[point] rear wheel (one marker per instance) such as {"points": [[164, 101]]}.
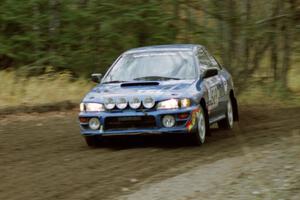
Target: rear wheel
{"points": [[202, 128], [227, 123], [92, 141]]}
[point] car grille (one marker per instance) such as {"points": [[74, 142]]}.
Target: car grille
{"points": [[136, 122]]}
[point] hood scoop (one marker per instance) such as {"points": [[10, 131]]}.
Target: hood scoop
{"points": [[133, 84]]}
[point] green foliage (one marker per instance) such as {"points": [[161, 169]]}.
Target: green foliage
{"points": [[82, 36], [85, 36]]}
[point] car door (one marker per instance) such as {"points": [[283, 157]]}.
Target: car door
{"points": [[213, 85], [223, 84]]}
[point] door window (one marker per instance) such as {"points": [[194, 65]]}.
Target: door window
{"points": [[214, 62], [204, 60]]}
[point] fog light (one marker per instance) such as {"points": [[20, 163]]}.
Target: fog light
{"points": [[135, 103], [121, 103], [168, 121], [149, 102], [94, 123], [109, 104]]}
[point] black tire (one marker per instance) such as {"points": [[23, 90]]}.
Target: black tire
{"points": [[92, 141], [227, 122], [202, 130]]}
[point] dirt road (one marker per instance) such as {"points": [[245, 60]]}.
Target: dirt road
{"points": [[42, 156]]}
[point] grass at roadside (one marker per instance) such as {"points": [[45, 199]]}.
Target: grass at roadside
{"points": [[265, 95], [53, 87], [48, 88], [269, 93]]}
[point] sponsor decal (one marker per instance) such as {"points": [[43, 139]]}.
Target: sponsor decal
{"points": [[213, 93], [193, 121], [224, 83]]}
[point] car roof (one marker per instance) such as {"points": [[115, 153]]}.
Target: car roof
{"points": [[170, 47]]}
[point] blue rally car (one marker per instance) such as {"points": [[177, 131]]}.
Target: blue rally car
{"points": [[163, 89]]}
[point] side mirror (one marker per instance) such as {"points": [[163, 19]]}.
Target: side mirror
{"points": [[210, 73], [96, 78]]}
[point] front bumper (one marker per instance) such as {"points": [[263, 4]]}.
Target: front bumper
{"points": [[184, 125]]}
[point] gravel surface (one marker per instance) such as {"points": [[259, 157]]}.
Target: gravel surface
{"points": [[42, 156]]}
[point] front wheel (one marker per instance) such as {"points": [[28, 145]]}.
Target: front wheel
{"points": [[200, 133], [227, 122]]}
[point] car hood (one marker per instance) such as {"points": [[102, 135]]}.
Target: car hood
{"points": [[159, 90]]}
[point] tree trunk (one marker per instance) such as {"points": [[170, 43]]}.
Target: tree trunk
{"points": [[189, 23], [175, 21], [274, 41], [54, 22], [288, 33], [247, 35], [286, 56], [143, 29], [232, 32]]}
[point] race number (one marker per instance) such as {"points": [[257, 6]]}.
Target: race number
{"points": [[213, 94], [224, 83]]}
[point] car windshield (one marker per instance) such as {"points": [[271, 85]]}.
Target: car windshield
{"points": [[175, 65]]}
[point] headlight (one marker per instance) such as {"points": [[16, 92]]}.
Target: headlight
{"points": [[184, 103], [168, 104], [109, 103], [148, 102], [91, 107], [82, 107], [174, 104], [121, 103], [135, 103]]}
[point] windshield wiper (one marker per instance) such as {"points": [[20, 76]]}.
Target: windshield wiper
{"points": [[155, 78], [113, 82]]}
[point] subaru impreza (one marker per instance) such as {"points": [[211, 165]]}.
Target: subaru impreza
{"points": [[166, 89]]}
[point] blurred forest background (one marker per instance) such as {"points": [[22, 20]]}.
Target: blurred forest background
{"points": [[48, 48]]}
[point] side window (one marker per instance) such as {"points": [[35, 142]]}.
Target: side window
{"points": [[213, 61], [204, 60]]}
